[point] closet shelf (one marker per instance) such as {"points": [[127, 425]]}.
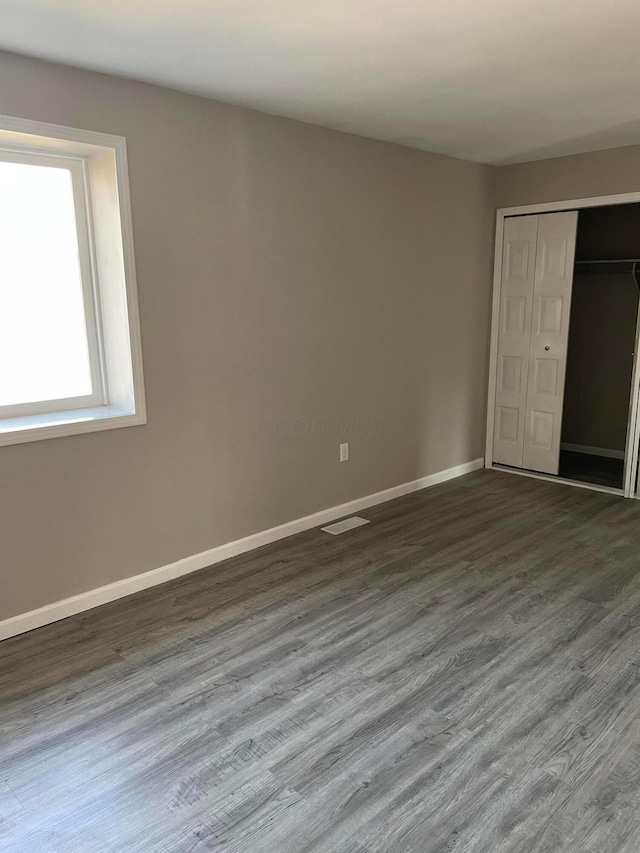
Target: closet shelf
{"points": [[618, 266]]}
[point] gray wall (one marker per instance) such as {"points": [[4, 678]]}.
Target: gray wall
{"points": [[579, 176], [298, 287]]}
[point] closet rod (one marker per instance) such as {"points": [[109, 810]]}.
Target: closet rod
{"points": [[635, 266], [612, 261]]}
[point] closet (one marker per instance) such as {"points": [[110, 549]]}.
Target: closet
{"points": [[567, 326]]}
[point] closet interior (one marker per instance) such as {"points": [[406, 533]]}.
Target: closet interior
{"points": [[569, 296]]}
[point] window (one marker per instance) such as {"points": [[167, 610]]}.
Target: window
{"points": [[69, 337], [48, 331]]}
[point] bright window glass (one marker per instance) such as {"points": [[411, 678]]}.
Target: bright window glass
{"points": [[44, 351]]}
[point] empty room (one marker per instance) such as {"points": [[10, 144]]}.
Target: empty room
{"points": [[319, 426]]}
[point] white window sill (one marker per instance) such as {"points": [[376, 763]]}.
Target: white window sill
{"points": [[56, 424]]}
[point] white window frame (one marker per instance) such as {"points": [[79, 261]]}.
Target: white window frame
{"points": [[97, 163], [76, 168]]}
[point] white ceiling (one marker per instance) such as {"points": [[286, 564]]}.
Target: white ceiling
{"points": [[488, 80]]}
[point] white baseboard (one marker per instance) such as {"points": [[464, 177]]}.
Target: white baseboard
{"points": [[102, 595], [593, 451]]}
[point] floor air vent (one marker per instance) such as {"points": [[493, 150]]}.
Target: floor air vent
{"points": [[346, 524]]}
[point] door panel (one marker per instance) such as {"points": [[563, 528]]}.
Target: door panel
{"points": [[511, 379], [545, 376], [516, 295], [508, 423], [542, 429], [550, 315], [549, 336]]}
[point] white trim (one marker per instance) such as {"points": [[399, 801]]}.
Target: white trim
{"points": [[592, 451], [571, 204], [550, 478], [51, 132], [104, 594], [633, 422], [133, 309], [495, 321], [633, 431], [89, 277], [58, 424]]}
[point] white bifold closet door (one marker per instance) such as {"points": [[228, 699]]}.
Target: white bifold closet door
{"points": [[535, 299]]}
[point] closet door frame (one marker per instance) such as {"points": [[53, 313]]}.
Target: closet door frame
{"points": [[633, 428], [632, 456]]}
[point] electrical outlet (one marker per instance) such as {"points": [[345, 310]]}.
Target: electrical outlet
{"points": [[344, 452]]}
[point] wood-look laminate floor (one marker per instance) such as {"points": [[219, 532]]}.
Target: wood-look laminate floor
{"points": [[462, 674]]}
